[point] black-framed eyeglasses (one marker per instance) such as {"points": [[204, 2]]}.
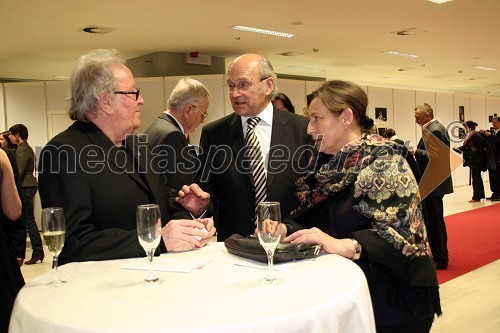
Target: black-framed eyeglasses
{"points": [[136, 93], [204, 115], [242, 86]]}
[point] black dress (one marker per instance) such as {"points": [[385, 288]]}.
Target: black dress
{"points": [[11, 279]]}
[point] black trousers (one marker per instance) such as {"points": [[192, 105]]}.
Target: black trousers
{"points": [[477, 183], [436, 228], [495, 182]]}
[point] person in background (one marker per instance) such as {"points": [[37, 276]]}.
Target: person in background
{"points": [[343, 209], [25, 158], [282, 102], [5, 141], [187, 107], [493, 156], [433, 158], [226, 167], [11, 279], [390, 134], [99, 172], [474, 152]]}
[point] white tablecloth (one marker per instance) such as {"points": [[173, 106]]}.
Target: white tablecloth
{"points": [[328, 294]]}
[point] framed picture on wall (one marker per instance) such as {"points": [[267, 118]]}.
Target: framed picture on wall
{"points": [[461, 113], [381, 114]]}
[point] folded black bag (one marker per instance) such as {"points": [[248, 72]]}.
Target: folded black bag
{"points": [[249, 247]]}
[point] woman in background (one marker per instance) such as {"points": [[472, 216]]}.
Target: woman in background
{"points": [[5, 141], [363, 203]]}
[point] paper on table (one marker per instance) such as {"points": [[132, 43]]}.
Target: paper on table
{"points": [[254, 264], [185, 265]]}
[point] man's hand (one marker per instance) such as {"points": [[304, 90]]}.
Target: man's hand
{"points": [[185, 235], [193, 199]]}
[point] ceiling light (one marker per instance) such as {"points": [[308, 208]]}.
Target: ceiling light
{"points": [[97, 30], [262, 31], [484, 68], [440, 1], [458, 86], [401, 54], [289, 54]]}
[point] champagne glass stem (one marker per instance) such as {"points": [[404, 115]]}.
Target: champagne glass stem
{"points": [[270, 269], [57, 281], [151, 277]]}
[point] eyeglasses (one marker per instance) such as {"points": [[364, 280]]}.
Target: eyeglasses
{"points": [[242, 86], [136, 93], [204, 115]]}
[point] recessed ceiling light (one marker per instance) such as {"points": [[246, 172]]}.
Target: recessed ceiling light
{"points": [[262, 31], [440, 1], [458, 86], [289, 54], [484, 68], [401, 54], [97, 30]]}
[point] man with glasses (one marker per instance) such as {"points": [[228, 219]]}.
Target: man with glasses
{"points": [[167, 136], [237, 171], [99, 172]]}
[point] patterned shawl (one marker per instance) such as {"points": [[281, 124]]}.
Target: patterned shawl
{"points": [[385, 190]]}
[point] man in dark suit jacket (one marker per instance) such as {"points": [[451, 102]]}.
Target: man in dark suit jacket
{"points": [[225, 171], [493, 155], [187, 107], [98, 172], [433, 159]]}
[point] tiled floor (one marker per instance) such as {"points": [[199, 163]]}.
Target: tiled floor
{"points": [[471, 302]]}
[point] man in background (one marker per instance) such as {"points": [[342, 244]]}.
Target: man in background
{"points": [[433, 159], [254, 154], [493, 152], [187, 107]]}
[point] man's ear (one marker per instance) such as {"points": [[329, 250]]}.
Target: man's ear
{"points": [[270, 84], [186, 110], [105, 103]]}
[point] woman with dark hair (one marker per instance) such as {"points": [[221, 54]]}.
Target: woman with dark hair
{"points": [[282, 102], [5, 141], [362, 202], [25, 158], [474, 152]]}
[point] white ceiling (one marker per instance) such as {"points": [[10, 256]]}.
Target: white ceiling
{"points": [[42, 39]]}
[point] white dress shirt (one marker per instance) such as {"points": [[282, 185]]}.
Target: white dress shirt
{"points": [[262, 130]]}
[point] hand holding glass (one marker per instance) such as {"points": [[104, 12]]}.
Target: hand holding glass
{"points": [[54, 233], [268, 231], [149, 234]]}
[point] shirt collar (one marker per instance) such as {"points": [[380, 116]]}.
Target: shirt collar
{"points": [[178, 123], [265, 116], [429, 123]]}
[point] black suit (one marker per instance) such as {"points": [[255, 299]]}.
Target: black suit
{"points": [[433, 159], [99, 186], [174, 157], [493, 153], [228, 179]]}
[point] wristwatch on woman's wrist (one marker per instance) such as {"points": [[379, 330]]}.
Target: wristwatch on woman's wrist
{"points": [[357, 250]]}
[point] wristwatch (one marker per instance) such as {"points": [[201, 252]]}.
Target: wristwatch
{"points": [[357, 250]]}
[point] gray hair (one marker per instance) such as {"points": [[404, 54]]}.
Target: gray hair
{"points": [[187, 91], [91, 76], [425, 108]]}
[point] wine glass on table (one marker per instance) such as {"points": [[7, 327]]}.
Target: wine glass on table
{"points": [[268, 232], [54, 233], [149, 234]]}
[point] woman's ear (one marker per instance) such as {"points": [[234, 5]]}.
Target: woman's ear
{"points": [[347, 117]]}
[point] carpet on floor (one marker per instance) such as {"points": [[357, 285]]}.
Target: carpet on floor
{"points": [[473, 241]]}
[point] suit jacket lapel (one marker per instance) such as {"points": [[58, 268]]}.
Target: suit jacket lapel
{"points": [[235, 140], [279, 136], [170, 119]]}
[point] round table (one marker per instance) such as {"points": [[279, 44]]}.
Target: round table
{"points": [[327, 294]]}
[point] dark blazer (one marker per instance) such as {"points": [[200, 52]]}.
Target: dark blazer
{"points": [[434, 149], [99, 186], [25, 158], [228, 178], [175, 159], [493, 151]]}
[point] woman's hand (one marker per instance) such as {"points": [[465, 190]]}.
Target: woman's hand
{"points": [[329, 244]]}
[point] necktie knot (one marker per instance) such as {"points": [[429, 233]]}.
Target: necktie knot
{"points": [[252, 122]]}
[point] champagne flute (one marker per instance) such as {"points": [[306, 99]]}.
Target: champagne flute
{"points": [[54, 232], [149, 234], [268, 231]]}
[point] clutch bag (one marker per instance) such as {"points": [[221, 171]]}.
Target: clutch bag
{"points": [[250, 248]]}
